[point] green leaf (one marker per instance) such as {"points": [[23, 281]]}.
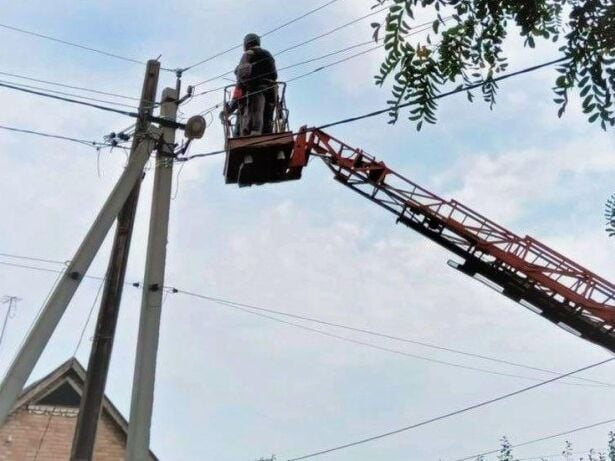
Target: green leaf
{"points": [[561, 81], [587, 100]]}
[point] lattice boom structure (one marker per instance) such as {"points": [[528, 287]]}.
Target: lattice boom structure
{"points": [[521, 268]]}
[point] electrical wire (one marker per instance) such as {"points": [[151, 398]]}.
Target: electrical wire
{"points": [[300, 44], [452, 413], [318, 69], [93, 144], [85, 325], [420, 29], [384, 336], [64, 85], [275, 29], [389, 350], [31, 258], [251, 309], [11, 305], [286, 24], [42, 439], [73, 44], [95, 106], [444, 95], [541, 439], [332, 31], [63, 93], [177, 181], [375, 113], [42, 269], [60, 98]]}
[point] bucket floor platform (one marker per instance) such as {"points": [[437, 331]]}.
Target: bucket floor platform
{"points": [[256, 160]]}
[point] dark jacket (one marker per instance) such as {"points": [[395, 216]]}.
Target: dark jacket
{"points": [[257, 69]]}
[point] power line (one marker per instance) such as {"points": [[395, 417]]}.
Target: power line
{"points": [[443, 95], [460, 89], [73, 44], [34, 268], [160, 120], [31, 258], [421, 28], [275, 29], [221, 53], [60, 272], [73, 101], [88, 98], [89, 317], [453, 413], [303, 43], [11, 305], [386, 349], [93, 144], [44, 434], [541, 439], [250, 309], [64, 85], [332, 31], [384, 336]]}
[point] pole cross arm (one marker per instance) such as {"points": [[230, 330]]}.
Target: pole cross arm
{"points": [[166, 122]]}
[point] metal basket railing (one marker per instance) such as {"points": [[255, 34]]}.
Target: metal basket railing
{"points": [[232, 121]]}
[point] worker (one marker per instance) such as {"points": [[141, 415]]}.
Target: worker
{"points": [[257, 75]]}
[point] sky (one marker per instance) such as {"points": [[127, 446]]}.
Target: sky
{"points": [[234, 386]]}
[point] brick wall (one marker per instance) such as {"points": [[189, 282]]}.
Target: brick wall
{"points": [[21, 436]]}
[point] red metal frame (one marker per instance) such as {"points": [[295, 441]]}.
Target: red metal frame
{"points": [[524, 269]]}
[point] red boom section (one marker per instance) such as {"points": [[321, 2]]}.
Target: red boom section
{"points": [[521, 268]]}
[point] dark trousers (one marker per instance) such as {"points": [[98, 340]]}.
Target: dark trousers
{"points": [[255, 119]]}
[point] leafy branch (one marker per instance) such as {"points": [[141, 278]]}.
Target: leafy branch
{"points": [[470, 36]]}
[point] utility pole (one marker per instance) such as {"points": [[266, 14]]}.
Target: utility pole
{"points": [[53, 310], [102, 347], [153, 288], [11, 302]]}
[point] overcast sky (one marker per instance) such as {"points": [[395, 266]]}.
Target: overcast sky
{"points": [[232, 386]]}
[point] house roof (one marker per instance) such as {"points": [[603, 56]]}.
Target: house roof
{"points": [[63, 387]]}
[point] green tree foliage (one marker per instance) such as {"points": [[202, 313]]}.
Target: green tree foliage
{"points": [[609, 215], [506, 451], [567, 452], [466, 46]]}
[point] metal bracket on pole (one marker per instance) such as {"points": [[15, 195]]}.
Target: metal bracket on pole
{"points": [[151, 306], [52, 312]]}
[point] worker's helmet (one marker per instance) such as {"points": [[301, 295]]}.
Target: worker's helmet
{"points": [[250, 41]]}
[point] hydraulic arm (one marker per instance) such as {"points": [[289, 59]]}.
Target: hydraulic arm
{"points": [[520, 268]]}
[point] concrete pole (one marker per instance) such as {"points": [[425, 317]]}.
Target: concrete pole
{"points": [[153, 288], [100, 354], [52, 312]]}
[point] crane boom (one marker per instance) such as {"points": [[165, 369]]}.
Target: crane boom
{"points": [[521, 268]]}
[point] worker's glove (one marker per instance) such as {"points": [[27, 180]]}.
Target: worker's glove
{"points": [[223, 118]]}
